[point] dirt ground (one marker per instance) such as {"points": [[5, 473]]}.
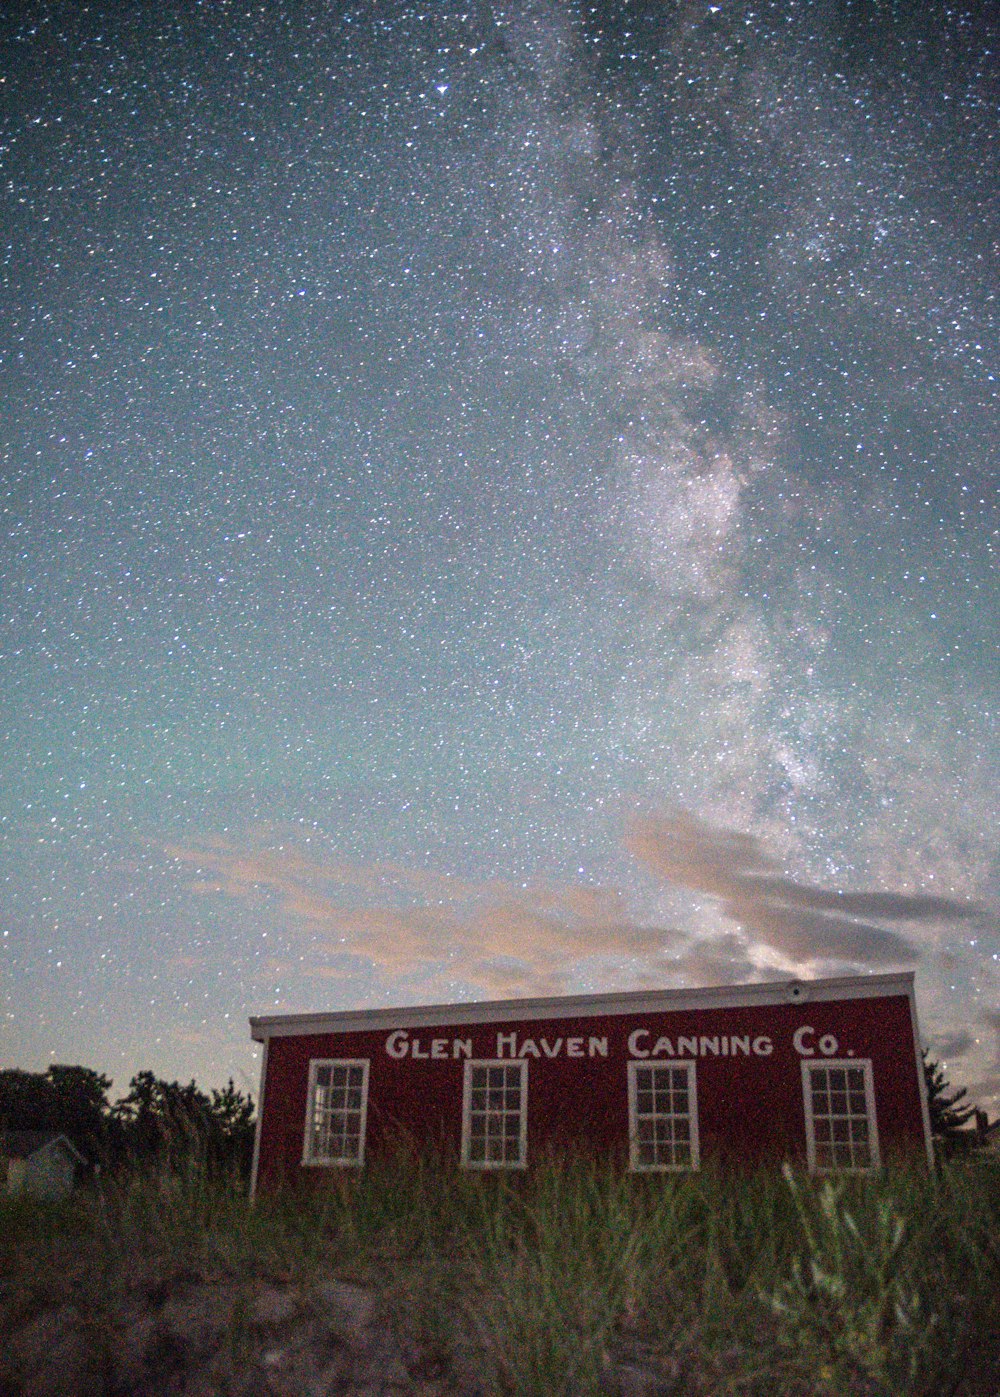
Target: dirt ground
{"points": [[204, 1338]]}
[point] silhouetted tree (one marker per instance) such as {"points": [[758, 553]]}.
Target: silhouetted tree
{"points": [[173, 1124], [233, 1127], [162, 1120], [157, 1122], [72, 1099], [948, 1117]]}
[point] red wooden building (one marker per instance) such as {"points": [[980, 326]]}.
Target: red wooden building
{"points": [[823, 1072]]}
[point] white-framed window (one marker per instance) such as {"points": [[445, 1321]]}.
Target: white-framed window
{"points": [[495, 1115], [841, 1133], [662, 1116], [336, 1111]]}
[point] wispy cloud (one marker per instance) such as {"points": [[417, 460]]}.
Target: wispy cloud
{"points": [[383, 925], [381, 928], [800, 921]]}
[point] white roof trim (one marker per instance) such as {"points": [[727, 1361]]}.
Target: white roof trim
{"points": [[583, 1006]]}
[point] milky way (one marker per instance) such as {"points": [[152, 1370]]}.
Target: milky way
{"points": [[494, 501]]}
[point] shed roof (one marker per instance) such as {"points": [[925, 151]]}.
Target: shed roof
{"points": [[22, 1144]]}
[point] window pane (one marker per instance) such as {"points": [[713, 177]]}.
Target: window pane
{"points": [[494, 1122], [842, 1128], [661, 1123], [335, 1113]]}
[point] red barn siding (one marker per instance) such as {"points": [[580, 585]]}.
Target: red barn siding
{"points": [[750, 1108]]}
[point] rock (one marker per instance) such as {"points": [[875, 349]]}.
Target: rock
{"points": [[272, 1307], [348, 1310], [326, 1382], [196, 1319], [635, 1380]]}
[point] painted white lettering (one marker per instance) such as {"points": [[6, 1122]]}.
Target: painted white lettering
{"points": [[597, 1047], [417, 1051], [439, 1047], [461, 1047], [396, 1045], [799, 1041], [551, 1049], [574, 1047], [763, 1046], [709, 1045], [663, 1048], [529, 1048], [635, 1038], [828, 1045], [687, 1045], [739, 1045], [508, 1041]]}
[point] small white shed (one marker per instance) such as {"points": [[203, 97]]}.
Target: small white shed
{"points": [[39, 1163]]}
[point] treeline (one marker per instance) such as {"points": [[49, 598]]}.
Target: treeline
{"points": [[157, 1122]]}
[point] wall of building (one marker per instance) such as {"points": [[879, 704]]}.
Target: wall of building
{"points": [[49, 1173], [749, 1078]]}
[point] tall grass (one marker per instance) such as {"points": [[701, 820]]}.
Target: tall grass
{"points": [[559, 1281]]}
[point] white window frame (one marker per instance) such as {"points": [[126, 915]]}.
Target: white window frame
{"points": [[635, 1163], [826, 1064], [310, 1155], [521, 1067]]}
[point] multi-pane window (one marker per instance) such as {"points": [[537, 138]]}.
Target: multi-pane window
{"points": [[840, 1116], [495, 1115], [663, 1116], [336, 1111]]}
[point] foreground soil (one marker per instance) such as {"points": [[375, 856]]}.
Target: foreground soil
{"points": [[200, 1338]]}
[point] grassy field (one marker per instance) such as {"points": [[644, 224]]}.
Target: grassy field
{"points": [[573, 1280]]}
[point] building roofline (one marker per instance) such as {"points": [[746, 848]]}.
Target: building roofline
{"points": [[264, 1027], [23, 1144]]}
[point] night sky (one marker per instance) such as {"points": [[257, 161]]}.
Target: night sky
{"points": [[496, 500]]}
